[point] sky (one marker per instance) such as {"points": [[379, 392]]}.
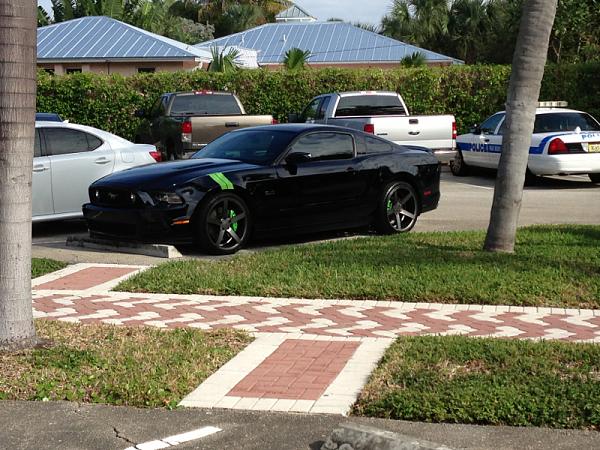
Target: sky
{"points": [[368, 11]]}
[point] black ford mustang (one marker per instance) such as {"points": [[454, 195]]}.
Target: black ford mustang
{"points": [[268, 180]]}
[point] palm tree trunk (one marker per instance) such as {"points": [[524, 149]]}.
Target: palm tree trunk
{"points": [[18, 49], [523, 93]]}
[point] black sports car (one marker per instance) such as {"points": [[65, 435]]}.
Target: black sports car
{"points": [[268, 180]]}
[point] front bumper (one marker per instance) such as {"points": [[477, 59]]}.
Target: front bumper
{"points": [[140, 225]]}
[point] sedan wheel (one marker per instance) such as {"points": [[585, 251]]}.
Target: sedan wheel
{"points": [[399, 209], [458, 167], [224, 224]]}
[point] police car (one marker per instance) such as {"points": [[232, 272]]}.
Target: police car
{"points": [[564, 142]]}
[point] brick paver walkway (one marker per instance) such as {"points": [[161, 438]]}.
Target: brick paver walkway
{"points": [[301, 361]]}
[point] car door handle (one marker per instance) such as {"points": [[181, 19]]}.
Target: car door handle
{"points": [[102, 160], [486, 140], [351, 170], [232, 124], [39, 168], [414, 133]]}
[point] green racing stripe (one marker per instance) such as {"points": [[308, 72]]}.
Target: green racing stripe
{"points": [[222, 181]]}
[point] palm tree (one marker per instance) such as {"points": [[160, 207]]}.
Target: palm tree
{"points": [[523, 93], [415, 60], [17, 131], [223, 62], [295, 59], [43, 18]]}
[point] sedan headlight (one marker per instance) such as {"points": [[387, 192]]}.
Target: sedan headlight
{"points": [[170, 198]]}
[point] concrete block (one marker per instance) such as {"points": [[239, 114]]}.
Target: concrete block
{"points": [[136, 248], [359, 437]]}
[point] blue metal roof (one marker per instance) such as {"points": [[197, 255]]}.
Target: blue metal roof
{"points": [[328, 42], [104, 38]]}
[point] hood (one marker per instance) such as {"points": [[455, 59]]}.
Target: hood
{"points": [[169, 175]]}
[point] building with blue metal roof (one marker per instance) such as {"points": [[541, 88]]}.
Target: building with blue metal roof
{"points": [[103, 44], [336, 44], [294, 14]]}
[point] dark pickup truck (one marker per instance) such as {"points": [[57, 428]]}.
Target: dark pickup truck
{"points": [[181, 123]]}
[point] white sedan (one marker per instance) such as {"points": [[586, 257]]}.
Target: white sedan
{"points": [[564, 142], [69, 157]]}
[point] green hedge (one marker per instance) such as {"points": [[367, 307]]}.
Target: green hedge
{"points": [[471, 93]]}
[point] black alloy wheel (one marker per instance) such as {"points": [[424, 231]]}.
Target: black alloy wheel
{"points": [[458, 167], [594, 177], [398, 209], [224, 223]]}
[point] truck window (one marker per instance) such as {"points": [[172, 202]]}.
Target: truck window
{"points": [[370, 105], [209, 104], [312, 110], [323, 108]]}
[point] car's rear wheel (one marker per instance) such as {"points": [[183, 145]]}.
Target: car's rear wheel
{"points": [[458, 167], [594, 177], [223, 224], [398, 208]]}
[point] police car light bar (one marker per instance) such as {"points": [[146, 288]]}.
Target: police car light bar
{"points": [[554, 104]]}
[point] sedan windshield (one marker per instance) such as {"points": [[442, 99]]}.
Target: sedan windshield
{"points": [[249, 146]]}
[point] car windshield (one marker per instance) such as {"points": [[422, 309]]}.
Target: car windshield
{"points": [[564, 121], [250, 146]]}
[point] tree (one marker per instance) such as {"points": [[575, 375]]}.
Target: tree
{"points": [[523, 93], [296, 59], [416, 59], [17, 130], [223, 62]]}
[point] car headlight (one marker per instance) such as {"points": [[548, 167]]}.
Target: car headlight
{"points": [[170, 198]]}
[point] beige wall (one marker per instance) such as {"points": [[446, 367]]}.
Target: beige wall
{"points": [[392, 65], [124, 68]]}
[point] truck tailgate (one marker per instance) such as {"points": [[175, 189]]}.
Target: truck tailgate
{"points": [[207, 128]]}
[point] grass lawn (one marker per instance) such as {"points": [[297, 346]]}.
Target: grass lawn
{"points": [[143, 367], [486, 381], [41, 267], [553, 266]]}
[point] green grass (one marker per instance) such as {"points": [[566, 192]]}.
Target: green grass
{"points": [[41, 267], [553, 266], [486, 381], [143, 367]]}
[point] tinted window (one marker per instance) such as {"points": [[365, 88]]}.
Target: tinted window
{"points": [[325, 146], [255, 147], [323, 108], [375, 145], [567, 121], [63, 141], [158, 107], [369, 105], [312, 110], [489, 125], [209, 104], [37, 150]]}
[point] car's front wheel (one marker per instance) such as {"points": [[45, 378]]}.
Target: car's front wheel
{"points": [[398, 208], [223, 224], [594, 177], [458, 167]]}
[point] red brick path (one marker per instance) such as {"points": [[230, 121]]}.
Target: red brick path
{"points": [[86, 278]]}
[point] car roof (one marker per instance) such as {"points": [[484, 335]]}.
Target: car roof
{"points": [[105, 135], [550, 110], [299, 127]]}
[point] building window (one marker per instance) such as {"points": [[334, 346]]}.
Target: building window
{"points": [[73, 70], [49, 71], [146, 69]]}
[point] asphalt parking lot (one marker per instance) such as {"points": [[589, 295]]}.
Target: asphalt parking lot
{"points": [[465, 205]]}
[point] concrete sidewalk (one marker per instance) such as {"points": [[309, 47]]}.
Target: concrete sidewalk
{"points": [[69, 426]]}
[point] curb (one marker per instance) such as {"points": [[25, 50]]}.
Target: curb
{"points": [[359, 437]]}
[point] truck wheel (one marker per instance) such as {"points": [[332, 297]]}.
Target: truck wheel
{"points": [[223, 224], [594, 177], [458, 166], [398, 208]]}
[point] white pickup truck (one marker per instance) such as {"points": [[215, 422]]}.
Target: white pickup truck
{"points": [[384, 114]]}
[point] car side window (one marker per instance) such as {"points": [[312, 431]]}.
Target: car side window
{"points": [[159, 107], [65, 141], [312, 110], [325, 146], [489, 125], [37, 148], [375, 145]]}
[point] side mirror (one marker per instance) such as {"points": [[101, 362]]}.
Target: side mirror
{"points": [[296, 158], [475, 129], [140, 113], [293, 118]]}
